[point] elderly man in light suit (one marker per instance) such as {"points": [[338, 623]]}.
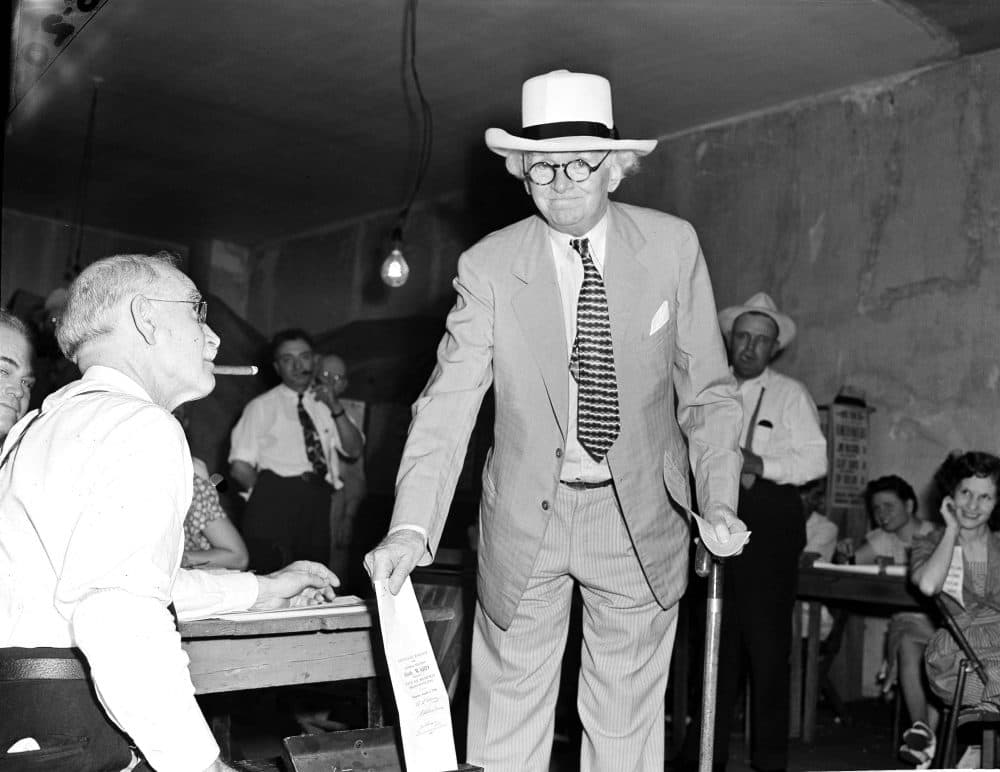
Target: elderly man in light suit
{"points": [[587, 321]]}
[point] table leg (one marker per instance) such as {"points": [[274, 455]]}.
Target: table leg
{"points": [[375, 715], [795, 674], [812, 675]]}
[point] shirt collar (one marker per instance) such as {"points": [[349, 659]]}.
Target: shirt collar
{"points": [[116, 378], [287, 391], [760, 380], [598, 236]]}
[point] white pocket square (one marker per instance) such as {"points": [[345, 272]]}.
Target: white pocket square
{"points": [[660, 318]]}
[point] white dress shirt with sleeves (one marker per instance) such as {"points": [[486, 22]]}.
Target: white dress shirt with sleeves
{"points": [[92, 503], [269, 435], [787, 436]]}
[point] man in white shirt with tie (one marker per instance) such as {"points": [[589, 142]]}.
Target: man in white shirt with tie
{"points": [[94, 488], [783, 448], [286, 451]]}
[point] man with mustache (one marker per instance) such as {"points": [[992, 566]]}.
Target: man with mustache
{"points": [[286, 450]]}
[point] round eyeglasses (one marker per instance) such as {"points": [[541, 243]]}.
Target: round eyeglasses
{"points": [[577, 170], [200, 306]]}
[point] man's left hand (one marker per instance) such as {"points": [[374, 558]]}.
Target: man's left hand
{"points": [[724, 521], [302, 583]]}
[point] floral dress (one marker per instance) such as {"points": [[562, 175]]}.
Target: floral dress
{"points": [[205, 507]]}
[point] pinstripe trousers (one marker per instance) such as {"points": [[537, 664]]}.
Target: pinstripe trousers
{"points": [[627, 642]]}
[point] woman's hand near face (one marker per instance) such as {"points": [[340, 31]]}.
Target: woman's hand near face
{"points": [[948, 512]]}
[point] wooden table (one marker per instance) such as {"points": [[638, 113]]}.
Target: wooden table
{"points": [[229, 656], [835, 587]]}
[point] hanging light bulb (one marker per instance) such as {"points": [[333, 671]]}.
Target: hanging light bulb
{"points": [[395, 270]]}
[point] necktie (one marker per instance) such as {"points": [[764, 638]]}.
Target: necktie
{"points": [[746, 479], [314, 447], [592, 362]]}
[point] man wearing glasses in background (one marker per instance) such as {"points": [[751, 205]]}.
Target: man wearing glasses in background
{"points": [[286, 450], [587, 322], [331, 383], [93, 493]]}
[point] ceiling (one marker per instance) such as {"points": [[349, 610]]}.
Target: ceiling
{"points": [[254, 120]]}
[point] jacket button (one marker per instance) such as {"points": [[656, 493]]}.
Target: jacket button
{"points": [[545, 505], [558, 452]]}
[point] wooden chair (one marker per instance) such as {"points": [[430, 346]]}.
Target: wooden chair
{"points": [[957, 716]]}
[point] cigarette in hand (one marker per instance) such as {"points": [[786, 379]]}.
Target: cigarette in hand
{"points": [[235, 369]]}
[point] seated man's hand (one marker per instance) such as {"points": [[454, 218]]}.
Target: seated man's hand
{"points": [[724, 521], [395, 557], [302, 583]]}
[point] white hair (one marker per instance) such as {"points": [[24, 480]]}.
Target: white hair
{"points": [[96, 294], [626, 160]]}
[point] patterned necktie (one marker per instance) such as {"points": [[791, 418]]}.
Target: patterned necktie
{"points": [[314, 447], [592, 362]]}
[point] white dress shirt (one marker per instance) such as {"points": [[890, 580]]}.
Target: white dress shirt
{"points": [[577, 463], [92, 505], [269, 434], [787, 437]]}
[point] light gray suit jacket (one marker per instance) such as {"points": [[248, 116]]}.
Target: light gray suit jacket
{"points": [[507, 329]]}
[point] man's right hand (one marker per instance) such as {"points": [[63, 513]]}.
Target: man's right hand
{"points": [[395, 557]]}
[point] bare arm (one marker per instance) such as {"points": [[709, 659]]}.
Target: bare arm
{"points": [[228, 549], [929, 573]]}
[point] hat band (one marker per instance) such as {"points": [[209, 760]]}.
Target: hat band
{"points": [[569, 129]]}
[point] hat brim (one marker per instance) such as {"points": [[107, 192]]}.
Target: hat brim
{"points": [[503, 143], [786, 327]]}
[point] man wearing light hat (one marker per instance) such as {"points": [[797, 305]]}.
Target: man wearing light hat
{"points": [[783, 448], [587, 321]]}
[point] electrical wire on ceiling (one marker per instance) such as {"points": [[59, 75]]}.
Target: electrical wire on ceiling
{"points": [[395, 269]]}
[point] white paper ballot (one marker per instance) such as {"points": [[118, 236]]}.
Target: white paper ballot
{"points": [[711, 541], [955, 576], [421, 699]]}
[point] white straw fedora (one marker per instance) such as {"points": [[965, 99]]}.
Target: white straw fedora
{"points": [[760, 303], [563, 111]]}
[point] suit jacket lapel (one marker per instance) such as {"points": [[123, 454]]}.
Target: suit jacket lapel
{"points": [[625, 278], [538, 308]]}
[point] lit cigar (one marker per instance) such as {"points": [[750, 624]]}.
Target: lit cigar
{"points": [[235, 369]]}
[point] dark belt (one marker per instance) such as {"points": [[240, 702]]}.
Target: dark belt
{"points": [[34, 669], [580, 485], [313, 479]]}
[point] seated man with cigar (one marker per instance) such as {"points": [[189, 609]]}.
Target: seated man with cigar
{"points": [[93, 492]]}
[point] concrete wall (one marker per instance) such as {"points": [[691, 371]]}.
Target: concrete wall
{"points": [[872, 216]]}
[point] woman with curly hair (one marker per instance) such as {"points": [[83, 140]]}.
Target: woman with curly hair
{"points": [[969, 482]]}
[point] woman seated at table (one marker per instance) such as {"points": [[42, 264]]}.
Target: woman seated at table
{"points": [[210, 538], [892, 505], [969, 483]]}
